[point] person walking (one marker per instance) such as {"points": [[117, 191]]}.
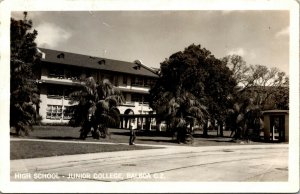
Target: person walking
{"points": [[132, 133]]}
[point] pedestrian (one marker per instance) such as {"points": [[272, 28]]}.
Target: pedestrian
{"points": [[132, 133]]}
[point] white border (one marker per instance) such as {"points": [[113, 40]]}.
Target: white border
{"points": [[64, 5]]}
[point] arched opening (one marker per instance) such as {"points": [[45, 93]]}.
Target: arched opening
{"points": [[129, 112], [117, 110]]}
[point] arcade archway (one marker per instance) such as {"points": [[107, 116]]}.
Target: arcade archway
{"points": [[124, 118]]}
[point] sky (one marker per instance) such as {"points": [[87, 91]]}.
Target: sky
{"points": [[260, 37]]}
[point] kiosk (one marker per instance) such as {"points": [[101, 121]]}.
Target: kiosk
{"points": [[276, 125]]}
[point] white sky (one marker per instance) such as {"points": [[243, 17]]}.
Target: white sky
{"points": [[260, 37]]}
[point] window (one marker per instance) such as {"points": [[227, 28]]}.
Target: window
{"points": [[73, 74], [55, 92], [137, 81], [149, 82], [125, 79], [58, 92], [68, 91], [61, 56], [101, 62], [152, 82], [56, 72], [136, 97], [141, 98], [146, 82], [88, 73], [54, 112], [116, 79], [109, 77]]}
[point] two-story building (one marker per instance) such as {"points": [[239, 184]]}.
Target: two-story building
{"points": [[62, 71]]}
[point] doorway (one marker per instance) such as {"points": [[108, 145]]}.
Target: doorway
{"points": [[277, 128]]}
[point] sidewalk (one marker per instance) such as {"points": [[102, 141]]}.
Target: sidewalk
{"points": [[168, 159]]}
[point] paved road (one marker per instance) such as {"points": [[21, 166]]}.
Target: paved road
{"points": [[245, 163]]}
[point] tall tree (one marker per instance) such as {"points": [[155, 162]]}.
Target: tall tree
{"points": [[259, 82], [258, 88], [192, 87], [24, 97], [96, 107], [240, 70], [217, 83], [267, 84]]}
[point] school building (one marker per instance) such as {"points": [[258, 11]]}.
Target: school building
{"points": [[61, 72]]}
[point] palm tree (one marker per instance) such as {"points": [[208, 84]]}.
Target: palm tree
{"points": [[97, 107], [182, 110], [244, 120]]}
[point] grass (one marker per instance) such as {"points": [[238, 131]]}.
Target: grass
{"points": [[122, 136], [35, 149]]}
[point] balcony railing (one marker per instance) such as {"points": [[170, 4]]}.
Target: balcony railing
{"points": [[63, 76], [128, 103], [58, 76], [143, 103], [135, 103], [137, 85], [55, 96]]}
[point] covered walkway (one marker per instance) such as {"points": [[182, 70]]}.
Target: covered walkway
{"points": [[141, 121]]}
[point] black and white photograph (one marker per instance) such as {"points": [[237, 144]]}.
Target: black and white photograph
{"points": [[147, 97]]}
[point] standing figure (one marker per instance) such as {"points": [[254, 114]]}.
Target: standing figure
{"points": [[132, 133]]}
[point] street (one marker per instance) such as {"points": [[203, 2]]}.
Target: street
{"points": [[242, 163]]}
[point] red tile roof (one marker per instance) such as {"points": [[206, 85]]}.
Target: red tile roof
{"points": [[67, 58]]}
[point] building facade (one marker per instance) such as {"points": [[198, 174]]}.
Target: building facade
{"points": [[61, 72]]}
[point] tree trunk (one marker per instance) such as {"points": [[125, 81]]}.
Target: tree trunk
{"points": [[221, 129], [158, 127], [191, 127], [205, 134]]}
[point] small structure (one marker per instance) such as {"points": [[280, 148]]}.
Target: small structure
{"points": [[276, 125]]}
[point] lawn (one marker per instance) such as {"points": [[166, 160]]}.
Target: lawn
{"points": [[34, 149], [122, 136]]}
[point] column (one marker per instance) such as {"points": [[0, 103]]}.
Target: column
{"points": [[286, 128], [267, 127]]}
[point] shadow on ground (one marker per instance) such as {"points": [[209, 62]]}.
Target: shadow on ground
{"points": [[60, 138], [198, 135], [158, 140], [145, 133]]}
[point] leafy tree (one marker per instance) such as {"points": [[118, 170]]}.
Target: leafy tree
{"points": [[96, 107], [267, 88], [219, 85], [240, 70], [268, 83], [259, 82], [187, 81], [279, 100], [24, 97]]}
